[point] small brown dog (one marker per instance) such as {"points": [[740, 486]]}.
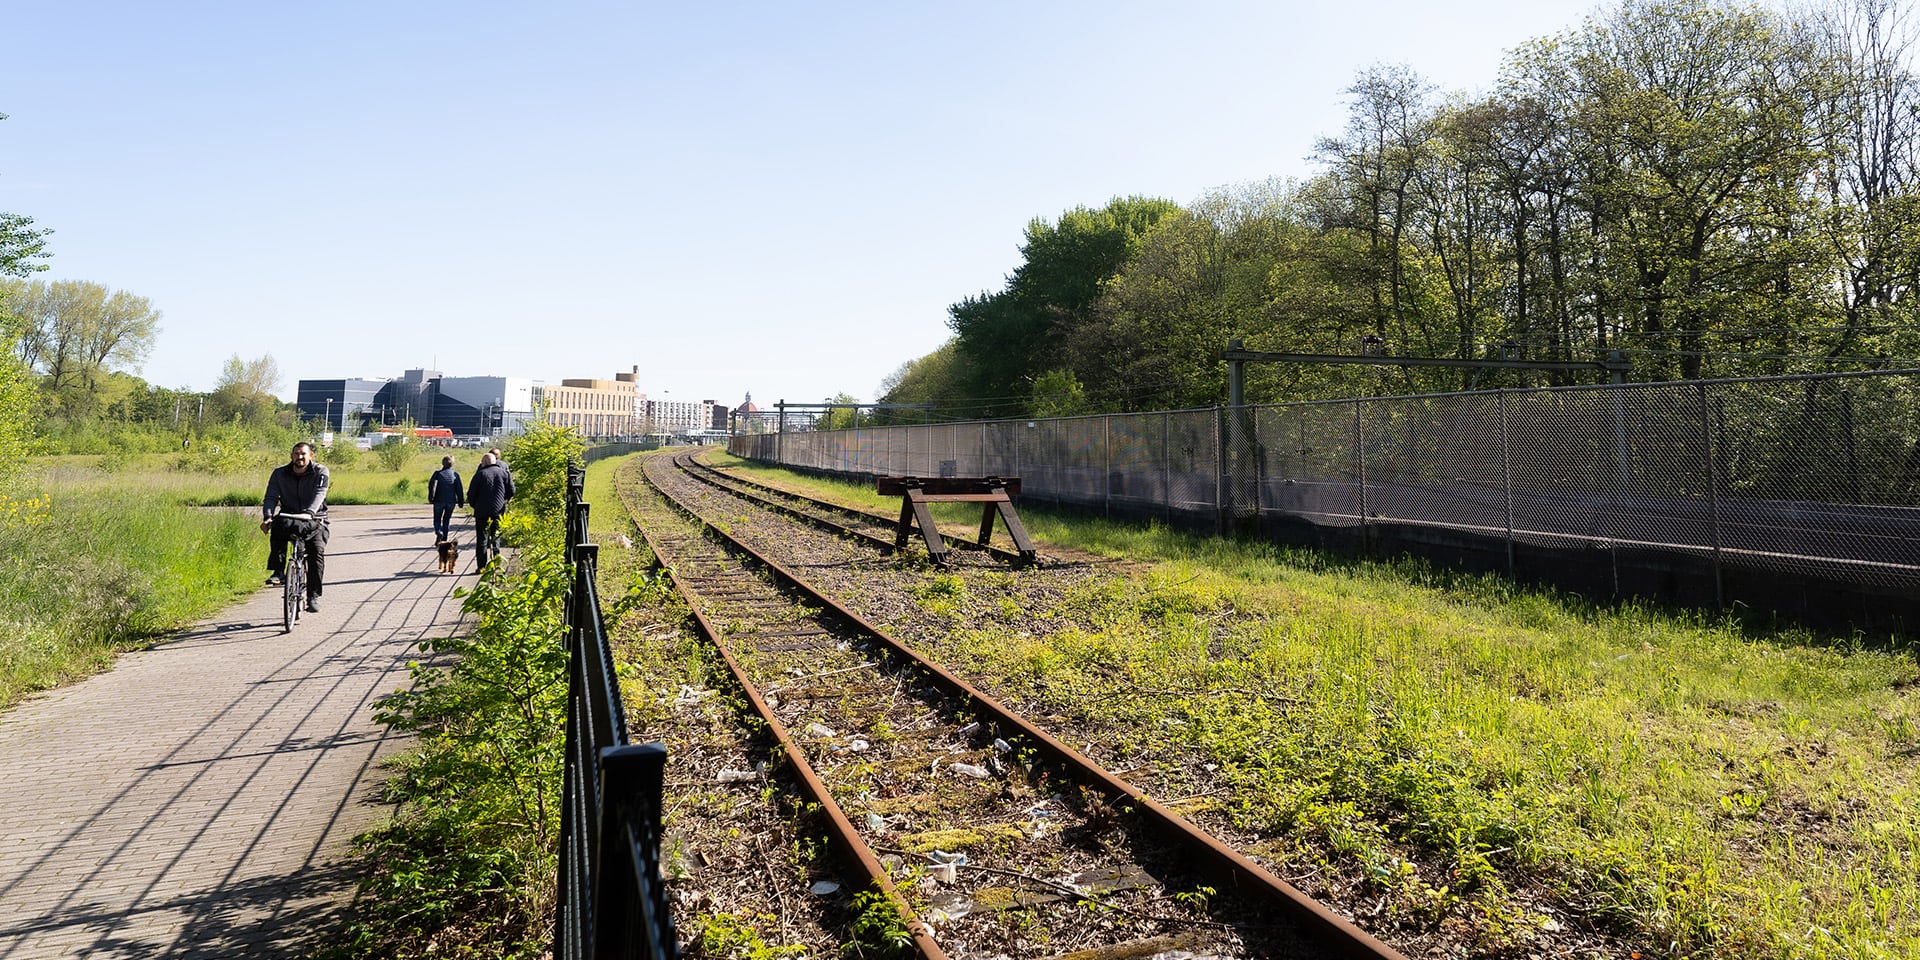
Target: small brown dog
{"points": [[449, 555]]}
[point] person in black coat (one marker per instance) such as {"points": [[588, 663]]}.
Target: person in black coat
{"points": [[488, 495], [445, 493]]}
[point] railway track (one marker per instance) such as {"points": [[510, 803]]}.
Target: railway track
{"points": [[987, 834], [877, 529]]}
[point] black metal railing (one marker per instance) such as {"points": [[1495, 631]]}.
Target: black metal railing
{"points": [[611, 900]]}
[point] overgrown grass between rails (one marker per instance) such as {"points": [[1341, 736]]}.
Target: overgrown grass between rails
{"points": [[85, 575], [1488, 759]]}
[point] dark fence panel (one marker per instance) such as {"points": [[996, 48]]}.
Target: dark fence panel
{"points": [[1798, 494], [611, 900]]}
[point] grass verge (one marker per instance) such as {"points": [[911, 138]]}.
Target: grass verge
{"points": [[1481, 763], [87, 573], [104, 553]]}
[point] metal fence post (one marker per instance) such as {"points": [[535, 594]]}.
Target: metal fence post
{"points": [[1506, 478], [1219, 472], [1106, 464], [1713, 490], [1853, 453], [1360, 468], [1166, 467]]}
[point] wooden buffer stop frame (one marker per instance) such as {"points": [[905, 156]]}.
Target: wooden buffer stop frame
{"points": [[994, 494]]}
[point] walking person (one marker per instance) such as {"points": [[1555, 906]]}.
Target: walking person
{"points": [[488, 496], [297, 487], [445, 493]]}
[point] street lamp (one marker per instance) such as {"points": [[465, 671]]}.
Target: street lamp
{"points": [[329, 416]]}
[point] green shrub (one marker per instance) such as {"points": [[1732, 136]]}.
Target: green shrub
{"points": [[393, 454], [343, 455], [468, 864]]}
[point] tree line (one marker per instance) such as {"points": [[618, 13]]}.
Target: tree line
{"points": [[78, 344], [1711, 189]]}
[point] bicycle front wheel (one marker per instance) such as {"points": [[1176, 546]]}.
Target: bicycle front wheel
{"points": [[295, 577]]}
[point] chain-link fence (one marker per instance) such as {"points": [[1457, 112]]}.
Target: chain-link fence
{"points": [[1816, 476]]}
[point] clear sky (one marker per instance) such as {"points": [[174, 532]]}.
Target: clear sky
{"points": [[777, 198]]}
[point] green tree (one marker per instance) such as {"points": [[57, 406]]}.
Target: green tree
{"points": [[20, 246], [17, 395], [76, 334], [245, 391], [840, 418], [929, 379], [1241, 263], [1693, 119], [1008, 338], [1870, 172], [1374, 164], [1058, 393]]}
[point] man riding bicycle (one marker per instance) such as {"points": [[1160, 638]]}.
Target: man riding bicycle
{"points": [[298, 487]]}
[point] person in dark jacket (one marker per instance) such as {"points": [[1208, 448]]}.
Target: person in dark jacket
{"points": [[445, 493], [297, 487], [488, 496]]}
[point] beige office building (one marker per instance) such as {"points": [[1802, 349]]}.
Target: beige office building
{"points": [[597, 409]]}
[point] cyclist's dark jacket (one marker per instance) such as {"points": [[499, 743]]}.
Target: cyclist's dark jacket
{"points": [[443, 488], [490, 490], [294, 493]]}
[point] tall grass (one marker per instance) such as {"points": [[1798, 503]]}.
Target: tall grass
{"points": [[354, 478], [1474, 756], [88, 572], [99, 553]]}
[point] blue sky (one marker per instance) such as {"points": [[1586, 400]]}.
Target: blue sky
{"points": [[733, 197]]}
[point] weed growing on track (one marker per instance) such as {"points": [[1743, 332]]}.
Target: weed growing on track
{"points": [[879, 932], [1494, 766], [1466, 750], [739, 863]]}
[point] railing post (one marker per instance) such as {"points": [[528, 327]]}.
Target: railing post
{"points": [[611, 903], [627, 894]]}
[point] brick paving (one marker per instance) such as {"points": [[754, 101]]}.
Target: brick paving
{"points": [[197, 800]]}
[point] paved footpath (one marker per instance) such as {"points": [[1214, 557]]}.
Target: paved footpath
{"points": [[197, 800]]}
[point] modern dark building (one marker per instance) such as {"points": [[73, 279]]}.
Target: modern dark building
{"points": [[410, 398], [469, 406], [336, 402]]}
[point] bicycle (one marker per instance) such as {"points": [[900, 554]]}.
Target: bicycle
{"points": [[294, 577]]}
